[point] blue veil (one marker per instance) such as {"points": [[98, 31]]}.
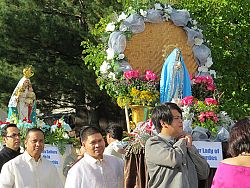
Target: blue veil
{"points": [[175, 81]]}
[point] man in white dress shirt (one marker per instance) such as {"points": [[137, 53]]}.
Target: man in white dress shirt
{"points": [[29, 169], [95, 169], [114, 137]]}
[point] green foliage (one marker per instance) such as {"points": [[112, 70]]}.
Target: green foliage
{"points": [[226, 27], [47, 35], [57, 138], [91, 52], [138, 4]]}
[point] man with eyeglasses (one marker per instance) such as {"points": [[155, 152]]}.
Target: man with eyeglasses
{"points": [[30, 169], [11, 139], [171, 159]]}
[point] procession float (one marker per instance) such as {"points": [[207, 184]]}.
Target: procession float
{"points": [[154, 55]]}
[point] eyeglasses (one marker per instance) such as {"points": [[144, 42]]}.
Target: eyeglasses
{"points": [[13, 135]]}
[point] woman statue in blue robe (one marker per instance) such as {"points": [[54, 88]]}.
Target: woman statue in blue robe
{"points": [[175, 80]]}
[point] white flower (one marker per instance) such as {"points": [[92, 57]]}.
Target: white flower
{"points": [[158, 6], [123, 16], [212, 72], [110, 27], [53, 128], [110, 53], [65, 135], [198, 41], [143, 12], [194, 27], [209, 62], [200, 30], [121, 56], [104, 67], [112, 75], [194, 22], [202, 69]]}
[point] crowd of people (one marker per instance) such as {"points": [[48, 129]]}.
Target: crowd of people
{"points": [[171, 159]]}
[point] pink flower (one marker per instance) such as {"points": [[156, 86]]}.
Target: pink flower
{"points": [[215, 118], [210, 101], [150, 75], [209, 80], [202, 117], [198, 79], [131, 74], [191, 76], [209, 114], [211, 87], [187, 100]]}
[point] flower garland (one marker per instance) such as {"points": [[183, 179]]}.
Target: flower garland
{"points": [[113, 69], [115, 60]]}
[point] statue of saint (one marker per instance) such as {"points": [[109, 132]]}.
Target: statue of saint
{"points": [[175, 81], [22, 104]]}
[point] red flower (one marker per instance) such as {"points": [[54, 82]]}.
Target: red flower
{"points": [[210, 101], [59, 124], [24, 119], [5, 123]]}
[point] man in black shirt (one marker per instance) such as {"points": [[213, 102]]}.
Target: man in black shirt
{"points": [[11, 139]]}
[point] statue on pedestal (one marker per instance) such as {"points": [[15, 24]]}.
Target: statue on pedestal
{"points": [[22, 104]]}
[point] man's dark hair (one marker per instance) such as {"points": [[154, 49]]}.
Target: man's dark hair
{"points": [[163, 113], [35, 129], [87, 131], [115, 131], [4, 130], [239, 138]]}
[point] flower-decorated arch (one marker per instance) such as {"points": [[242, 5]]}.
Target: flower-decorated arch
{"points": [[155, 33], [138, 42]]}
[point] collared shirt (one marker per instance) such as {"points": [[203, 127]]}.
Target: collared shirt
{"points": [[89, 172], [24, 171], [171, 164], [112, 149], [7, 154]]}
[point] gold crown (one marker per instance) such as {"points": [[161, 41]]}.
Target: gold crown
{"points": [[167, 49], [28, 72]]}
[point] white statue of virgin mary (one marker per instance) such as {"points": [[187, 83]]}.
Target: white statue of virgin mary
{"points": [[22, 104]]}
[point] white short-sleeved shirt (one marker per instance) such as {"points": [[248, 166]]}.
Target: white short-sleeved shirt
{"points": [[112, 149], [24, 171], [89, 172]]}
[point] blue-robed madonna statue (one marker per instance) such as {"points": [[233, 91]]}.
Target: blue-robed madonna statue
{"points": [[175, 80]]}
